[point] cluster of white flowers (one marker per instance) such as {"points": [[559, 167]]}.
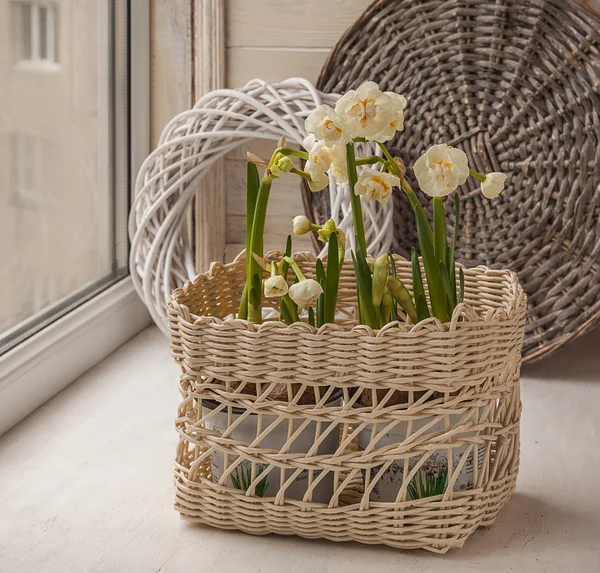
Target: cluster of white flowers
{"points": [[374, 115], [366, 112]]}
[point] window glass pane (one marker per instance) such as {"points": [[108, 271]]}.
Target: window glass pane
{"points": [[61, 161], [25, 21], [43, 29]]}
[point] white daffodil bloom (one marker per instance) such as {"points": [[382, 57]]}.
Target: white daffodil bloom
{"points": [[375, 185], [338, 167], [334, 157], [396, 122], [319, 159], [301, 225], [318, 182], [305, 293], [324, 124], [275, 286], [493, 184], [365, 112], [441, 169]]}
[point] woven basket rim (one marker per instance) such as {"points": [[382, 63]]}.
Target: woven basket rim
{"points": [[463, 317]]}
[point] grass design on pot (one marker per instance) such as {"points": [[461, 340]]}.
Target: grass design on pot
{"points": [[241, 479], [433, 484]]}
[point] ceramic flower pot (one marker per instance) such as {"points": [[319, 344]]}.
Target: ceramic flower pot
{"points": [[246, 432], [433, 476]]}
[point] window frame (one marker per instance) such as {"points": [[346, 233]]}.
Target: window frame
{"points": [[46, 362]]}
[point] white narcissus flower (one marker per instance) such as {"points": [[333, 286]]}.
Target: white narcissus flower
{"points": [[320, 155], [305, 293], [324, 124], [275, 286], [319, 159], [318, 182], [338, 167], [301, 225], [396, 122], [493, 184], [441, 169], [365, 112], [375, 185]]}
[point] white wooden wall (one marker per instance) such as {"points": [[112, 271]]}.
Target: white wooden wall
{"points": [[274, 40]]}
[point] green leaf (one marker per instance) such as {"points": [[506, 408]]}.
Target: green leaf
{"points": [[452, 248], [439, 229], [332, 280], [321, 305], [393, 273], [418, 289], [311, 316], [255, 297], [363, 280], [284, 270], [243, 311], [252, 186], [432, 271], [461, 292], [447, 286]]}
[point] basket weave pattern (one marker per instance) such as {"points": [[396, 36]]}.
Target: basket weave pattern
{"points": [[459, 392], [515, 86]]}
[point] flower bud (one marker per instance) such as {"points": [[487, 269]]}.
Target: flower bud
{"points": [[380, 274], [301, 225], [326, 230], [401, 167], [403, 298], [285, 163]]}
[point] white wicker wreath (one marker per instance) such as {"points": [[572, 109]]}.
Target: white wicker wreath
{"points": [[161, 225]]}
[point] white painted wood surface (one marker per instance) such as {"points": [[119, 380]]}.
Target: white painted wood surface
{"points": [[86, 484], [274, 41]]}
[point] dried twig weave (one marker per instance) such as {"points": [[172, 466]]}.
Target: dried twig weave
{"points": [[318, 470], [515, 84]]}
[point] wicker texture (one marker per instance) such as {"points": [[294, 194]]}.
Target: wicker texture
{"points": [[462, 376], [161, 221], [515, 84]]}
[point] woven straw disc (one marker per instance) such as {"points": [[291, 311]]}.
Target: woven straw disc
{"points": [[516, 85]]}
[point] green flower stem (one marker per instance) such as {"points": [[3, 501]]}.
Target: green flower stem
{"points": [[370, 160], [477, 175], [257, 246], [294, 265], [289, 151], [303, 174], [357, 216]]}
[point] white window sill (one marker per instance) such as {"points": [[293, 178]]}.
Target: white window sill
{"points": [[86, 483]]}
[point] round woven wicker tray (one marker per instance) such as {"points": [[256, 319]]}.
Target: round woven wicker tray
{"points": [[516, 86]]}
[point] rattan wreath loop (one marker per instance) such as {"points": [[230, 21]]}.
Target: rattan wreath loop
{"points": [[160, 227], [516, 85]]}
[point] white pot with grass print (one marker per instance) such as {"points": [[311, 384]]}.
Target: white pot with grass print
{"points": [[432, 477], [268, 487]]}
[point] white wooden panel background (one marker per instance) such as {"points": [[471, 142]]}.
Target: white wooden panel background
{"points": [[274, 40]]}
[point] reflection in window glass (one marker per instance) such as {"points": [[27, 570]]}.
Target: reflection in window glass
{"points": [[25, 31], [59, 240]]}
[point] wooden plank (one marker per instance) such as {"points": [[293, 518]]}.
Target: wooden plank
{"points": [[289, 23], [171, 68], [209, 66], [272, 64]]}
